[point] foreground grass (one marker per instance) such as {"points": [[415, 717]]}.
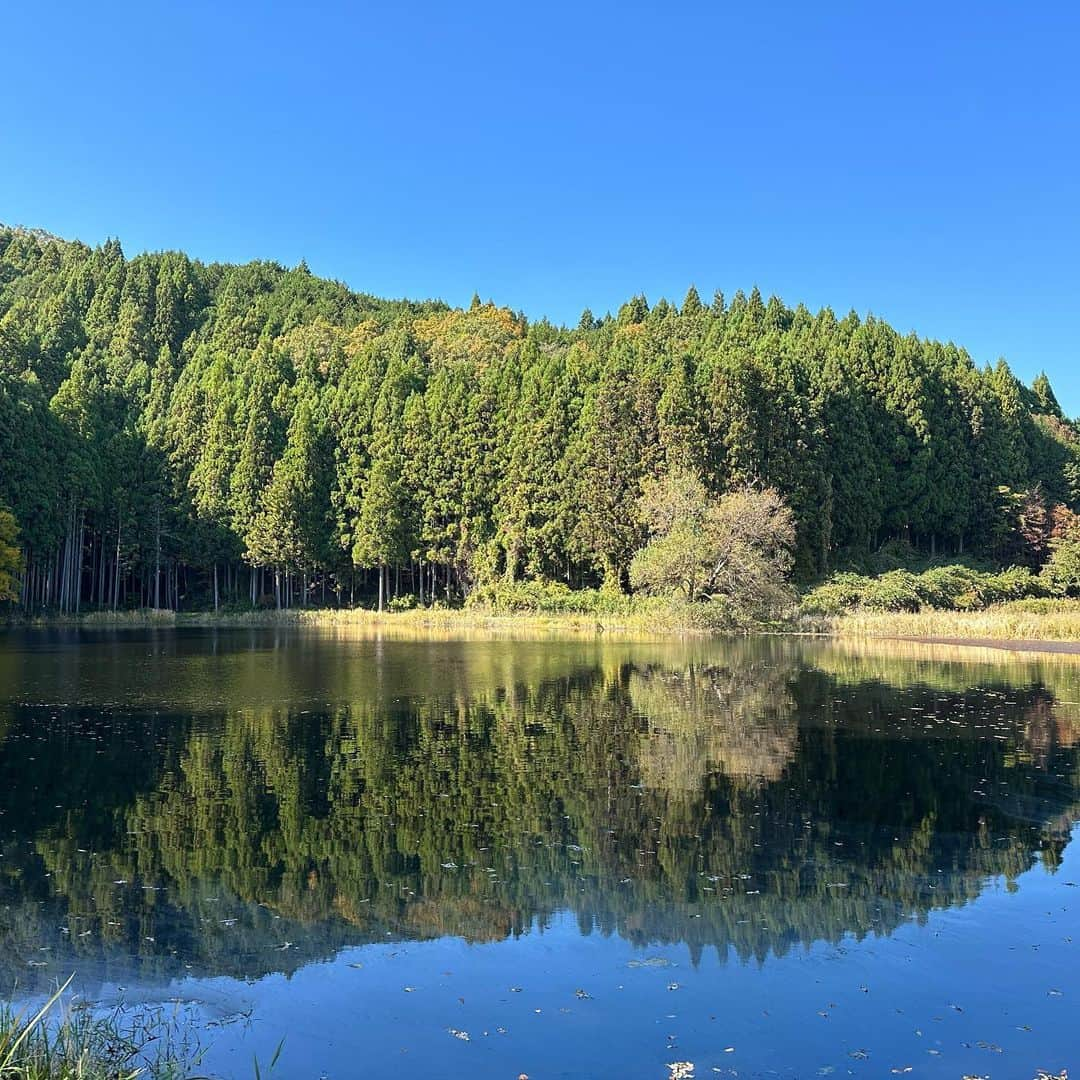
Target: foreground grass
{"points": [[1019, 620], [65, 1041]]}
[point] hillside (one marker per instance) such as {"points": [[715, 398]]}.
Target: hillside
{"points": [[175, 433]]}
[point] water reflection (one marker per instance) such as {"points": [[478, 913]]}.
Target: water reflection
{"points": [[246, 803]]}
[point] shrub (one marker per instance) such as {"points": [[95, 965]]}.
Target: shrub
{"points": [[894, 591], [842, 592], [1061, 574], [549, 597], [947, 588]]}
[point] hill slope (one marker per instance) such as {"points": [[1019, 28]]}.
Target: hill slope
{"points": [[166, 425]]}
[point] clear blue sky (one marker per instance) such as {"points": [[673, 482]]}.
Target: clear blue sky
{"points": [[919, 160]]}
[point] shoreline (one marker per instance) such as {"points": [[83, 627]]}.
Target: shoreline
{"points": [[487, 621], [1007, 628], [1024, 645]]}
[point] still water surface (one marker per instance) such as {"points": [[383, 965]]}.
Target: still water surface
{"points": [[563, 858]]}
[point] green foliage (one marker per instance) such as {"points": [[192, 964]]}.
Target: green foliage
{"points": [[1062, 570], [549, 598], [735, 549], [178, 434], [10, 555], [953, 587], [62, 1041]]}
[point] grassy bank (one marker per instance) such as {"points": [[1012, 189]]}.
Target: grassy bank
{"points": [[525, 607], [1030, 620], [1019, 620], [632, 622]]}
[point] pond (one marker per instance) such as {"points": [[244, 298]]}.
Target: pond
{"points": [[581, 857]]}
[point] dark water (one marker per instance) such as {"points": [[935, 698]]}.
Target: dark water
{"points": [[558, 858]]}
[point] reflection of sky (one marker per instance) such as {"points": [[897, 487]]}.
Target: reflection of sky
{"points": [[938, 997], [820, 803]]}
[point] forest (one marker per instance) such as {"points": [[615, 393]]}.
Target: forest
{"points": [[182, 435]]}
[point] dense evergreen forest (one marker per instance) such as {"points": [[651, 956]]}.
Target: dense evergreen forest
{"points": [[183, 435]]}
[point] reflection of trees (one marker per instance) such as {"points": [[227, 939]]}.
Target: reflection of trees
{"points": [[745, 802], [739, 720]]}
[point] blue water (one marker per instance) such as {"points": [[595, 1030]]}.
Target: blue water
{"points": [[550, 858]]}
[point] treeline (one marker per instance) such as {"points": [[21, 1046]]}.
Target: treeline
{"points": [[180, 434]]}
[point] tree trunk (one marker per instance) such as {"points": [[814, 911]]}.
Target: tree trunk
{"points": [[116, 574], [79, 561], [157, 561], [382, 574]]}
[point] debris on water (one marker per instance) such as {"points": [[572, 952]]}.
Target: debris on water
{"points": [[680, 1070], [462, 1035], [859, 1055], [356, 965], [651, 962], [582, 995], [673, 986]]}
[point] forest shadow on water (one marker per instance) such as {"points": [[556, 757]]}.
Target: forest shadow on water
{"points": [[559, 857]]}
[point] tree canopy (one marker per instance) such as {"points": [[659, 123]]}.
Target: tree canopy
{"points": [[10, 557], [172, 430], [736, 547]]}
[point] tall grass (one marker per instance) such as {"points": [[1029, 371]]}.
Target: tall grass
{"points": [[503, 610], [1020, 620], [70, 1041]]}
